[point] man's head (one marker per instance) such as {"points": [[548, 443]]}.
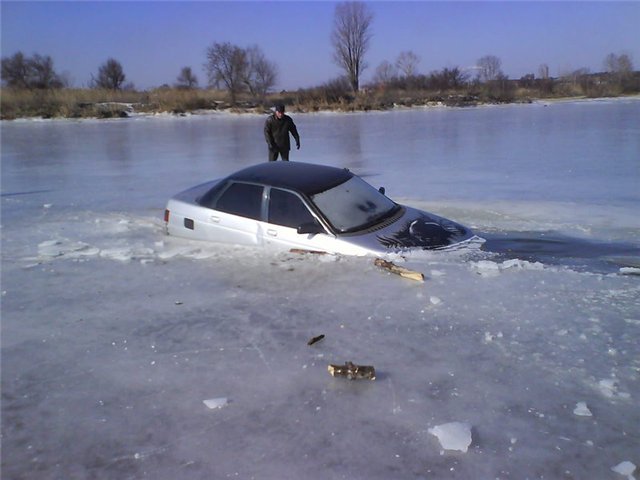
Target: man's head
{"points": [[279, 110]]}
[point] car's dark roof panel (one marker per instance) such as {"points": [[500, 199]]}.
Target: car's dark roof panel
{"points": [[306, 178]]}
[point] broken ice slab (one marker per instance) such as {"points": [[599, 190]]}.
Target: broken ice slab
{"points": [[625, 468], [353, 371], [453, 436], [215, 402], [582, 410]]}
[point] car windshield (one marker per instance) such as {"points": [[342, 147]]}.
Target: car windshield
{"points": [[353, 205]]}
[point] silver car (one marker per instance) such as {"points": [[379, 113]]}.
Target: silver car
{"points": [[292, 205]]}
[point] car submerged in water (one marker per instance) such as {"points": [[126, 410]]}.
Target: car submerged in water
{"points": [[302, 206]]}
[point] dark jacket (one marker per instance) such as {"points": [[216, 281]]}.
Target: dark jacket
{"points": [[276, 132]]}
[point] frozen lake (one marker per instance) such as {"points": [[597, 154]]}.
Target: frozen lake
{"points": [[113, 334]]}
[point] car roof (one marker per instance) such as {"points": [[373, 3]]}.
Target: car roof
{"points": [[307, 178]]}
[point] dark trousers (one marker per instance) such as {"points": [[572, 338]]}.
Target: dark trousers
{"points": [[273, 155]]}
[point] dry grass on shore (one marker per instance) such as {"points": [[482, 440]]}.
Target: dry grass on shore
{"points": [[92, 103]]}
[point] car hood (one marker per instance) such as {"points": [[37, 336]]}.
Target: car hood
{"points": [[414, 229]]}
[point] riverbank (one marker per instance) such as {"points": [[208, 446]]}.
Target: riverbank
{"points": [[101, 104]]}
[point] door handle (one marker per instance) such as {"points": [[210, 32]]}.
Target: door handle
{"points": [[273, 233], [214, 219]]}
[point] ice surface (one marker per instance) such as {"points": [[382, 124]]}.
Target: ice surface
{"points": [[453, 435], [113, 334]]}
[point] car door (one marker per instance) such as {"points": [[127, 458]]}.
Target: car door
{"points": [[237, 214], [286, 211]]}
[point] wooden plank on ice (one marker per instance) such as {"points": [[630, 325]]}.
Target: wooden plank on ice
{"points": [[303, 251], [353, 371], [402, 271]]}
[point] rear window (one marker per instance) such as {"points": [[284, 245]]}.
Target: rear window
{"points": [[242, 199]]}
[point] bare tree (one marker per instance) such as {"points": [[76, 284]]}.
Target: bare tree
{"points": [[385, 73], [407, 63], [350, 38], [227, 65], [620, 68], [110, 76], [15, 71], [37, 72], [42, 73], [261, 73], [489, 68], [620, 64], [187, 79], [448, 78]]}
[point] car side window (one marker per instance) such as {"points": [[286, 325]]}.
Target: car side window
{"points": [[287, 209], [242, 199]]}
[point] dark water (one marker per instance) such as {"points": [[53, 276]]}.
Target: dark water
{"points": [[553, 248]]}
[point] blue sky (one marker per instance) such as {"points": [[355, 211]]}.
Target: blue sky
{"points": [[153, 40]]}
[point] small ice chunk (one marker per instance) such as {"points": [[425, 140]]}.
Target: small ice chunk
{"points": [[50, 248], [486, 268], [453, 436], [435, 300], [521, 265], [582, 410], [625, 468], [215, 402], [629, 271], [490, 337], [122, 254], [609, 388]]}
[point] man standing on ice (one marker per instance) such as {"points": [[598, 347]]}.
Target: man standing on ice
{"points": [[276, 133]]}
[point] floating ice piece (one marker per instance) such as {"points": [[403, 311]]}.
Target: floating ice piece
{"points": [[486, 268], [521, 264], [123, 254], [609, 388], [582, 410], [629, 271], [50, 248], [490, 337], [625, 468], [453, 436], [216, 402]]}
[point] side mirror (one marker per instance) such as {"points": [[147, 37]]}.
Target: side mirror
{"points": [[382, 190], [310, 227]]}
